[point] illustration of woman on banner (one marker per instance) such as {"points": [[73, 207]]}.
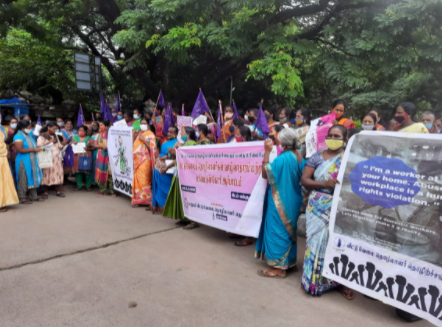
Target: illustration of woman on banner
{"points": [[121, 149], [144, 152], [320, 176], [277, 237]]}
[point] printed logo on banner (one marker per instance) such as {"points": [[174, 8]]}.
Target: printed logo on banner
{"points": [[120, 157], [122, 186], [240, 196], [339, 243]]}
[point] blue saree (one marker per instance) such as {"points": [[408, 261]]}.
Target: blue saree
{"points": [[161, 182], [317, 219], [28, 160], [277, 237]]}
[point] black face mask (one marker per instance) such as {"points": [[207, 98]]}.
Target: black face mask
{"points": [[252, 119], [231, 129], [267, 117], [272, 137], [399, 119]]}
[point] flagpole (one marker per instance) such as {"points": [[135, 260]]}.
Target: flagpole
{"points": [[222, 123], [155, 109]]}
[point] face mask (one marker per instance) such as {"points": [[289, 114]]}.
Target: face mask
{"points": [[299, 121], [283, 120], [197, 133], [367, 127], [246, 117], [57, 131], [184, 138], [102, 128], [252, 119], [14, 126], [143, 127], [119, 117], [82, 133], [281, 148], [334, 144], [61, 124], [228, 115], [267, 117], [95, 128], [338, 114], [136, 117], [231, 129], [401, 118], [429, 125], [69, 128], [114, 115], [28, 130]]}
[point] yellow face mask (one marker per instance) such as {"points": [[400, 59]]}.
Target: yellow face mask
{"points": [[334, 144]]}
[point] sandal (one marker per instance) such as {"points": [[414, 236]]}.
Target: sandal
{"points": [[39, 200], [3, 210], [135, 205], [60, 194], [346, 292], [77, 189], [192, 225], [113, 195], [244, 242], [266, 273], [44, 196], [100, 195], [25, 201]]}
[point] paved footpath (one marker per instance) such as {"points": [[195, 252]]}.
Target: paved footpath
{"points": [[87, 261]]}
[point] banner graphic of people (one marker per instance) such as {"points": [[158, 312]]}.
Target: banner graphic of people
{"points": [[120, 145], [385, 227]]}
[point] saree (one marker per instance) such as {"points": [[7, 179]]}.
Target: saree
{"points": [[93, 142], [77, 156], [28, 160], [8, 194], [162, 182], [174, 204], [136, 125], [317, 221], [277, 237], [347, 123], [54, 175], [102, 162], [144, 165], [415, 128]]}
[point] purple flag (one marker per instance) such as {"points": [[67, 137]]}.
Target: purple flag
{"points": [[168, 119], [161, 101], [93, 119], [235, 111], [80, 119], [105, 110], [261, 123], [183, 113], [118, 104], [200, 106], [39, 121], [218, 123]]}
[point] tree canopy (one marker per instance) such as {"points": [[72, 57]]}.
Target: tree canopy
{"points": [[373, 53]]}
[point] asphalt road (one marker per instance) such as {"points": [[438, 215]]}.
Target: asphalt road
{"points": [[87, 261]]}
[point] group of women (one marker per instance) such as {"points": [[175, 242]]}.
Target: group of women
{"points": [[295, 183]]}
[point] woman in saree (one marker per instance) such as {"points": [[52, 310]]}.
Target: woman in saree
{"points": [[339, 107], [203, 134], [27, 173], [82, 176], [94, 134], [53, 176], [174, 205], [276, 243], [301, 122], [103, 174], [319, 177], [144, 152], [161, 181], [8, 194], [136, 122]]}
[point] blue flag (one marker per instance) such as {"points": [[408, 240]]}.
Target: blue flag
{"points": [[235, 111], [200, 106], [118, 104], [80, 119], [168, 119], [219, 123], [261, 123], [105, 110], [39, 121], [161, 101]]}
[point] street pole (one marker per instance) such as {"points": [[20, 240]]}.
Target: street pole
{"points": [[231, 89]]}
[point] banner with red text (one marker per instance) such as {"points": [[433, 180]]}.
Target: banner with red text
{"points": [[221, 185]]}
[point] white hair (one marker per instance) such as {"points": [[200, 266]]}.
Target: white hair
{"points": [[288, 138], [427, 113]]}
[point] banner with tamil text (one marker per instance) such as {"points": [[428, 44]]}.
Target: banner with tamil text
{"points": [[221, 185], [385, 226]]}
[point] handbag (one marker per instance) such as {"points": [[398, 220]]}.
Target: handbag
{"points": [[69, 157], [45, 159], [84, 163]]}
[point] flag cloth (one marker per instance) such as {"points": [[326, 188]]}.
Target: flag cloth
{"points": [[218, 123], [161, 101], [80, 119], [200, 106], [235, 111], [168, 119], [183, 113], [105, 110], [39, 121], [118, 104], [261, 123]]}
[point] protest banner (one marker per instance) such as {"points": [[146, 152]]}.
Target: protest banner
{"points": [[385, 229], [221, 185], [315, 139], [183, 121], [120, 145]]}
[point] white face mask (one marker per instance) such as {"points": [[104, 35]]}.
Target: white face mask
{"points": [[246, 117], [61, 124], [143, 127], [197, 133], [136, 116], [28, 131], [114, 115], [14, 126], [367, 127]]}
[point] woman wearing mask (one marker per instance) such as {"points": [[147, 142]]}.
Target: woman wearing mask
{"points": [[251, 118], [270, 114], [427, 118], [8, 194], [52, 176], [120, 115], [284, 116], [144, 152], [379, 126], [60, 124], [103, 174], [339, 107], [94, 134], [320, 176], [368, 122], [11, 130], [27, 172], [202, 134], [158, 121], [277, 237], [12, 153], [68, 131], [161, 181], [227, 131], [82, 176], [274, 131], [136, 120], [300, 121], [174, 205], [128, 117], [403, 119], [234, 130]]}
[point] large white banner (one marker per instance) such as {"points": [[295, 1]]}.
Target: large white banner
{"points": [[385, 224], [222, 187], [121, 161]]}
